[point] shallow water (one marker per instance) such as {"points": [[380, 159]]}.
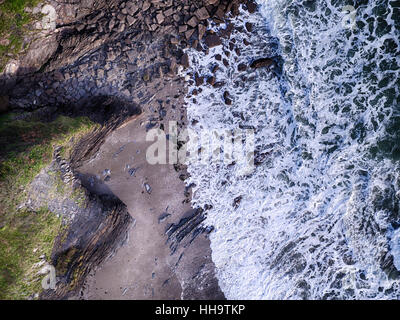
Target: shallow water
{"points": [[319, 216]]}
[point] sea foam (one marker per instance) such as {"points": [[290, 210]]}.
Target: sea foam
{"points": [[319, 216]]}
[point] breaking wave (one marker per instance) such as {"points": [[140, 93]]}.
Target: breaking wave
{"points": [[319, 216]]}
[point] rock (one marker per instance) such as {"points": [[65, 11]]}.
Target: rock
{"points": [[49, 17], [237, 201], [189, 33], [160, 18], [58, 76], [211, 80], [202, 30], [227, 98], [198, 80], [193, 22], [185, 61], [202, 13], [4, 104], [195, 44], [169, 12], [146, 6], [36, 10], [182, 29], [121, 17], [220, 13], [174, 41], [261, 63], [40, 264], [242, 67], [131, 20], [40, 51], [212, 40], [388, 267], [111, 24], [172, 66], [163, 217], [146, 77], [176, 17], [226, 33], [100, 73], [131, 8], [251, 6], [235, 9], [249, 26], [177, 232], [121, 27], [4, 42], [148, 188], [132, 172], [211, 2], [111, 56]]}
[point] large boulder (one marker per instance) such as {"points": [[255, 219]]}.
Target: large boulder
{"points": [[212, 40], [262, 63]]}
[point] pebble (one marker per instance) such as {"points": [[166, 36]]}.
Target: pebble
{"points": [[147, 188]]}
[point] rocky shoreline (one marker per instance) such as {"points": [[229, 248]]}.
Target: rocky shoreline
{"points": [[110, 50], [111, 61]]}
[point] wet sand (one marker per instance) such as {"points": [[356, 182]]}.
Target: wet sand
{"points": [[145, 267]]}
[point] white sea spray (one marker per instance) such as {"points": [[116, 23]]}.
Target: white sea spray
{"points": [[319, 216]]}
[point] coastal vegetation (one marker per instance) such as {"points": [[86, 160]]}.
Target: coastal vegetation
{"points": [[14, 21], [26, 147]]}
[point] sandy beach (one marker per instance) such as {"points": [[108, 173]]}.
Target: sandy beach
{"points": [[156, 197]]}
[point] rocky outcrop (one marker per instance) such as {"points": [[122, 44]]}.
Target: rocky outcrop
{"points": [[93, 226], [187, 229], [262, 63], [70, 30], [111, 49], [193, 267], [111, 113]]}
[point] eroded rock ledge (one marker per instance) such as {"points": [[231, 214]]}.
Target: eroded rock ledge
{"points": [[93, 225]]}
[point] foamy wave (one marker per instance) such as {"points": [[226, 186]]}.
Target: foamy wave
{"points": [[319, 217]]}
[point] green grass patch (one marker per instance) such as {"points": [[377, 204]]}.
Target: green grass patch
{"points": [[26, 147], [13, 27], [25, 238]]}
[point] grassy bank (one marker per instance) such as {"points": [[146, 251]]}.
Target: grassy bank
{"points": [[13, 27], [25, 148]]}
